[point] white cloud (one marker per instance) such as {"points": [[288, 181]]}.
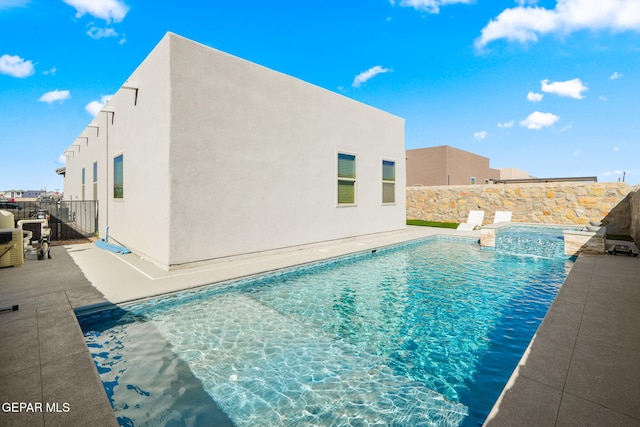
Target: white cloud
{"points": [[525, 24], [15, 66], [480, 135], [576, 153], [107, 10], [616, 75], [94, 107], [62, 159], [616, 148], [8, 4], [538, 120], [506, 125], [52, 71], [370, 73], [429, 6], [55, 96], [603, 98], [570, 88], [534, 97], [100, 33], [519, 24]]}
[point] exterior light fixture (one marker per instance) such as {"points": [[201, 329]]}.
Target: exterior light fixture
{"points": [[132, 84], [94, 125], [109, 109]]}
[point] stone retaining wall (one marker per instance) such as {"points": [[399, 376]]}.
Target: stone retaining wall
{"points": [[546, 203], [634, 206]]}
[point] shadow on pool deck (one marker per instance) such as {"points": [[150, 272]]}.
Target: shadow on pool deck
{"points": [[582, 367]]}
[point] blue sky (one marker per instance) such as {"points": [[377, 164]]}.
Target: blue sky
{"points": [[550, 87]]}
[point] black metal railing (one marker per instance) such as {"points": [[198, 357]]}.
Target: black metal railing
{"points": [[68, 220]]}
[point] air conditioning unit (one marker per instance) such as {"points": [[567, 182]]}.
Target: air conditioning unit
{"points": [[11, 250], [6, 219]]}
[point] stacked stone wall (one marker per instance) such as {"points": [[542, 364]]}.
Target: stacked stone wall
{"points": [[634, 204], [543, 203]]}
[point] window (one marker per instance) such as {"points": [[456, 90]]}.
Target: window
{"points": [[388, 181], [83, 174], [346, 179], [95, 180], [118, 181]]}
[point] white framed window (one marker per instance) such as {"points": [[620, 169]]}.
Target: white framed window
{"points": [[346, 179], [388, 182], [118, 176]]}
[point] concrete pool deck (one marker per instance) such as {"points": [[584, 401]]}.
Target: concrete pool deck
{"points": [[581, 368]]}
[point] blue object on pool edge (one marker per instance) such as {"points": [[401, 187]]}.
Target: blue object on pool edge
{"points": [[112, 248]]}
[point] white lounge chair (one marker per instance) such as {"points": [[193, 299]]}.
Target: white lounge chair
{"points": [[502, 216], [474, 220]]}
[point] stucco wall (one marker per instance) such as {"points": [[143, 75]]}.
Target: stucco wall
{"points": [[547, 203], [139, 130], [254, 159], [224, 157]]}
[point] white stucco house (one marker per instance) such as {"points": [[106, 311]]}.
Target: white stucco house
{"points": [[201, 155]]}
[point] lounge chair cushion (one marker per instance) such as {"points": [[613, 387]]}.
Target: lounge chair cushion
{"points": [[474, 220], [502, 216]]}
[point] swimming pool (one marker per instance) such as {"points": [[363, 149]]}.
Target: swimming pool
{"points": [[423, 334]]}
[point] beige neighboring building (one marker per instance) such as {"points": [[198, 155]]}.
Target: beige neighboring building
{"points": [[513, 173], [446, 165], [202, 155]]}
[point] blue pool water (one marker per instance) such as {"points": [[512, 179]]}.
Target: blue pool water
{"points": [[424, 334]]}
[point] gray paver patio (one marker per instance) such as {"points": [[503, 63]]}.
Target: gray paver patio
{"points": [[43, 356]]}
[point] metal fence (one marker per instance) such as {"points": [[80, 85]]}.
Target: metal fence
{"points": [[68, 220]]}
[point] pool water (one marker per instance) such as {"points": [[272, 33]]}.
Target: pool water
{"points": [[424, 334]]}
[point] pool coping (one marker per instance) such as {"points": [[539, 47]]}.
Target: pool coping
{"points": [[63, 368]]}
